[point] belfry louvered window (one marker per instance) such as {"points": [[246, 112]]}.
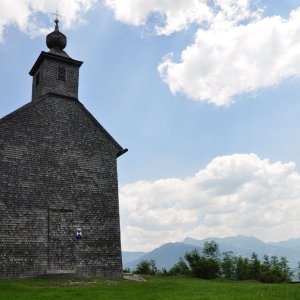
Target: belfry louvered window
{"points": [[37, 79], [61, 73]]}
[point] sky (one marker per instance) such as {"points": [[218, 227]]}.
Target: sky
{"points": [[203, 93]]}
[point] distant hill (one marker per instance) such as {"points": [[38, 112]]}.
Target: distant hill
{"points": [[165, 256], [168, 254], [245, 246], [129, 257], [292, 244]]}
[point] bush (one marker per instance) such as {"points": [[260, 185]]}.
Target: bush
{"points": [[181, 268], [146, 267], [228, 265], [207, 264], [242, 270], [275, 270]]}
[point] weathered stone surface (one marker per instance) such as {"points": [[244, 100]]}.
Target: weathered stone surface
{"points": [[46, 77], [58, 173]]}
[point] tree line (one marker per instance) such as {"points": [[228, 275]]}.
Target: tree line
{"points": [[210, 264]]}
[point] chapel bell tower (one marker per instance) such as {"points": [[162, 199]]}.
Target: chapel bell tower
{"points": [[55, 72]]}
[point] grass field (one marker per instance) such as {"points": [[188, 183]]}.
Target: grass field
{"points": [[158, 288]]}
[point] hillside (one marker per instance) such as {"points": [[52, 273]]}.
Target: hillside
{"points": [[168, 254], [245, 246], [165, 256]]}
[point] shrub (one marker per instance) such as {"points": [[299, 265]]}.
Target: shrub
{"points": [[207, 264], [181, 268], [228, 265], [147, 267]]}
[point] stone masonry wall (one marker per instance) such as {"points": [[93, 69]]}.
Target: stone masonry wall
{"points": [[49, 82], [57, 173]]}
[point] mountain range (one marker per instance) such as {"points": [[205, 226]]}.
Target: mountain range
{"points": [[168, 254]]}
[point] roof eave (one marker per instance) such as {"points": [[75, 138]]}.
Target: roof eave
{"points": [[122, 152], [44, 55]]}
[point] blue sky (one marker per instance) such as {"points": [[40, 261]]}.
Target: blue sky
{"points": [[212, 133]]}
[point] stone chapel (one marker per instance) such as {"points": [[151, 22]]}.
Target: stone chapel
{"points": [[59, 207]]}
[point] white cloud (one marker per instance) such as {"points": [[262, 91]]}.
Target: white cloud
{"points": [[175, 16], [235, 50], [23, 14], [237, 194], [221, 64], [232, 12]]}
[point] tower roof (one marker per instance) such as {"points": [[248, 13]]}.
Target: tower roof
{"points": [[56, 41]]}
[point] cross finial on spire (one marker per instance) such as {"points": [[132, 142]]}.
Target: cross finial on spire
{"points": [[56, 39], [56, 19], [57, 15]]}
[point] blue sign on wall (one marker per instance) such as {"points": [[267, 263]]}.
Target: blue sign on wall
{"points": [[78, 234]]}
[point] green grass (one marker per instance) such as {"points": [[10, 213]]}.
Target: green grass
{"points": [[156, 288]]}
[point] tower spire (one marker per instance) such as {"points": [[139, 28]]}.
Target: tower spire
{"points": [[55, 71], [56, 24], [56, 40], [56, 19]]}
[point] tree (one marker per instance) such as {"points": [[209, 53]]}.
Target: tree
{"points": [[181, 268], [207, 265], [254, 267], [211, 250], [147, 267], [275, 270], [266, 265], [228, 265], [285, 269], [242, 268]]}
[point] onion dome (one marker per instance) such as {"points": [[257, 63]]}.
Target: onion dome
{"points": [[56, 40]]}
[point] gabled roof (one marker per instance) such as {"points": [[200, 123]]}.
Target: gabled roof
{"points": [[91, 117]]}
